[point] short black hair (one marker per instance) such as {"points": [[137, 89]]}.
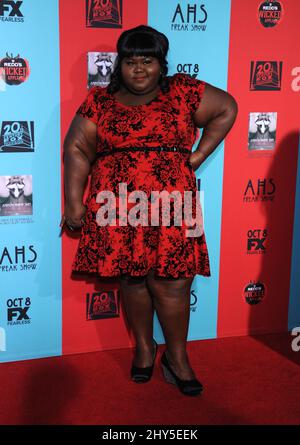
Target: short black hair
{"points": [[141, 41]]}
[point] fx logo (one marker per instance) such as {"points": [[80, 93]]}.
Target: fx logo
{"points": [[17, 312], [256, 240], [10, 8], [256, 244]]}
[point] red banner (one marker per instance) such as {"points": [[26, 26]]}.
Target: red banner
{"points": [[259, 171], [86, 28]]}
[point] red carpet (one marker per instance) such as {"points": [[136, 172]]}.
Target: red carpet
{"points": [[248, 380]]}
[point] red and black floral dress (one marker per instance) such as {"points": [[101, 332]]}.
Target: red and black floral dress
{"points": [[133, 249]]}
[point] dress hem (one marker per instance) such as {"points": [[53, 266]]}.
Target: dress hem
{"points": [[119, 275]]}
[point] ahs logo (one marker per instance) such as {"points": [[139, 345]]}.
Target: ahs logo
{"points": [[10, 8], [262, 187], [191, 15], [190, 18]]}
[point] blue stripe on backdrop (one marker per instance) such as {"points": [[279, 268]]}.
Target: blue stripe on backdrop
{"points": [[199, 41], [294, 304], [31, 290]]}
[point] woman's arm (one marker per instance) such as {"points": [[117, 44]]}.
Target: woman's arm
{"points": [[79, 154], [216, 115]]}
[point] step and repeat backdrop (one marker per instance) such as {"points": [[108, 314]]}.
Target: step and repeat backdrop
{"points": [[51, 54]]}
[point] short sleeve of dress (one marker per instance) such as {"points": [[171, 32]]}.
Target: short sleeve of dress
{"points": [[89, 108], [191, 90]]}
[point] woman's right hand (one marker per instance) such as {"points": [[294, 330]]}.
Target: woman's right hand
{"points": [[73, 216]]}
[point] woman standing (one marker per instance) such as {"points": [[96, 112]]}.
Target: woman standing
{"points": [[135, 137]]}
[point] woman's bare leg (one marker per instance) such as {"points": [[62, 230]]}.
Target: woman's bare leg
{"points": [[139, 309], [172, 303]]}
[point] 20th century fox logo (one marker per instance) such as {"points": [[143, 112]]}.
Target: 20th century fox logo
{"points": [[10, 11], [17, 311]]}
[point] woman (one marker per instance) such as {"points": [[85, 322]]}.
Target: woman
{"points": [[139, 132]]}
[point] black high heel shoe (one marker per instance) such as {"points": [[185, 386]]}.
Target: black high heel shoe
{"points": [[188, 387], [143, 375]]}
